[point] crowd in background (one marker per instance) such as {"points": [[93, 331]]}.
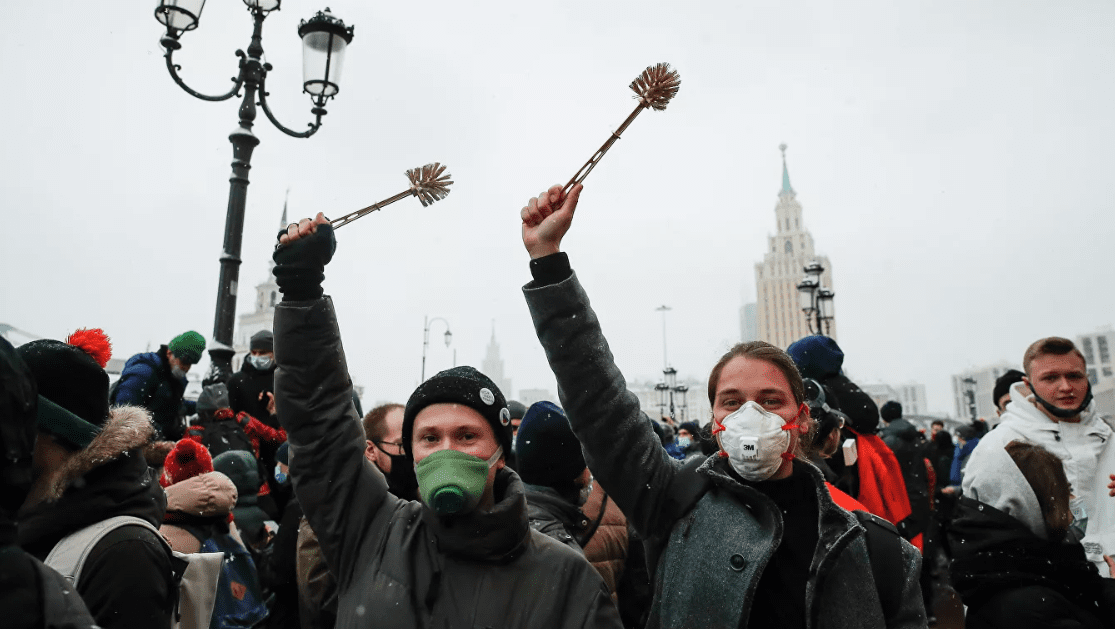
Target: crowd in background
{"points": [[799, 503]]}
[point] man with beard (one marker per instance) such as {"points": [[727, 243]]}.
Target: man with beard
{"points": [[89, 468]]}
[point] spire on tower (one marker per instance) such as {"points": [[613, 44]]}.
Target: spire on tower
{"points": [[786, 188], [282, 223]]}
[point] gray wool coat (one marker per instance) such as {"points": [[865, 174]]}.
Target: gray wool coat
{"points": [[709, 536], [396, 563]]}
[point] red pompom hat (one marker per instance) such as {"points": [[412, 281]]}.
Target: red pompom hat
{"points": [[188, 459]]}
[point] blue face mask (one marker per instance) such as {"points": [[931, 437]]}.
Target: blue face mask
{"points": [[684, 442]]}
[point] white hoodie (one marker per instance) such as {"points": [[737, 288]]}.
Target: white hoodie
{"points": [[1078, 444]]}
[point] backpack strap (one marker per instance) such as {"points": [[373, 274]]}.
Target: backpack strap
{"points": [[71, 553], [885, 552]]}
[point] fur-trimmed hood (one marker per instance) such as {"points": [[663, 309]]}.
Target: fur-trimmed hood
{"points": [[107, 478], [127, 428]]}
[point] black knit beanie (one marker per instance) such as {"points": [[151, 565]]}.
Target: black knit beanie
{"points": [[891, 411], [460, 385], [547, 452], [73, 385]]}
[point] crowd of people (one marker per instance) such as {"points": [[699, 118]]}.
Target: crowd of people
{"points": [[274, 501]]}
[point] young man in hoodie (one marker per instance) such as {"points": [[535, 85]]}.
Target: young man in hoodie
{"points": [[462, 557], [1052, 407]]}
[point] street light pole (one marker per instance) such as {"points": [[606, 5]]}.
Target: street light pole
{"points": [[324, 38], [426, 341], [816, 302]]}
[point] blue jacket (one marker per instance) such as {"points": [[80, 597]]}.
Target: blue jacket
{"points": [[960, 459], [148, 381]]}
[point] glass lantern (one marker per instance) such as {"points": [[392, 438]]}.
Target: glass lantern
{"points": [[324, 38], [179, 15], [263, 5]]}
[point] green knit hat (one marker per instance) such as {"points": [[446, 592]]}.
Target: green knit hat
{"points": [[188, 347]]}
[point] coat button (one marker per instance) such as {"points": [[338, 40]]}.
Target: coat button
{"points": [[738, 562]]}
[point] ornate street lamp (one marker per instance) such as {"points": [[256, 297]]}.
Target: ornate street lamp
{"points": [[816, 302], [324, 39], [666, 391], [426, 341]]}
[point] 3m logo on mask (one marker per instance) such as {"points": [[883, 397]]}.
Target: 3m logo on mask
{"points": [[749, 448]]}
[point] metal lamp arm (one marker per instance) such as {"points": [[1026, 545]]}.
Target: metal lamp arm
{"points": [[173, 68], [313, 126]]}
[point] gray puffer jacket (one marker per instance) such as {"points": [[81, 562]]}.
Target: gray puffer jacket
{"points": [[709, 536], [396, 563]]}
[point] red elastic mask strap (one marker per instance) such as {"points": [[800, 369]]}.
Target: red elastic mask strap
{"points": [[789, 456]]}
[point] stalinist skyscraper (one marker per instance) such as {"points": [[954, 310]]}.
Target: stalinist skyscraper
{"points": [[779, 318]]}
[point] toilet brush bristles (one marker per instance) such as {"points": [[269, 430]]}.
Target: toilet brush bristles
{"points": [[429, 183]]}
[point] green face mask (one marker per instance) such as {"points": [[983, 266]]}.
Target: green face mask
{"points": [[450, 481]]}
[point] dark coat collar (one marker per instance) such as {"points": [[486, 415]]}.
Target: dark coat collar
{"points": [[496, 536]]}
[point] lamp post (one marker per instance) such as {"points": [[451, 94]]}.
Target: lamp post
{"points": [[816, 302], [666, 391], [324, 39], [426, 342]]}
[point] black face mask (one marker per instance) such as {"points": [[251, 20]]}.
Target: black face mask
{"points": [[1060, 412], [401, 480]]}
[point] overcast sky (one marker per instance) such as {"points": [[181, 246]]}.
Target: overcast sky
{"points": [[954, 161]]}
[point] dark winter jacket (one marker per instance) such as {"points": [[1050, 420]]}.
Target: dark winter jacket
{"points": [[397, 564], [32, 596], [941, 451], [147, 381], [127, 580], [244, 389], [1010, 578], [909, 448], [709, 536], [552, 515]]}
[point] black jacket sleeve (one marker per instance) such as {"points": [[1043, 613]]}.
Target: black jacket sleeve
{"points": [[344, 497]]}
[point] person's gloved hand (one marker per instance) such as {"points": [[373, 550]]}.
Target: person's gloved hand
{"points": [[303, 251]]}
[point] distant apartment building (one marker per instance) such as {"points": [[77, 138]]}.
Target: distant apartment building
{"points": [[976, 386], [911, 396], [1097, 348]]}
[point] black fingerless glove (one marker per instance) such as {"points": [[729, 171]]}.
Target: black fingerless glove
{"points": [[300, 266]]}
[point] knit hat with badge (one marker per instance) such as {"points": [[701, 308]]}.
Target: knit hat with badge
{"points": [[465, 386]]}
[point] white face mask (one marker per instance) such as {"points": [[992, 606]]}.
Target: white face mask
{"points": [[177, 371], [262, 363], [755, 440]]}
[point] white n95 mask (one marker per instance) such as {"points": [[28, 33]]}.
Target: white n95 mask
{"points": [[755, 441]]}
